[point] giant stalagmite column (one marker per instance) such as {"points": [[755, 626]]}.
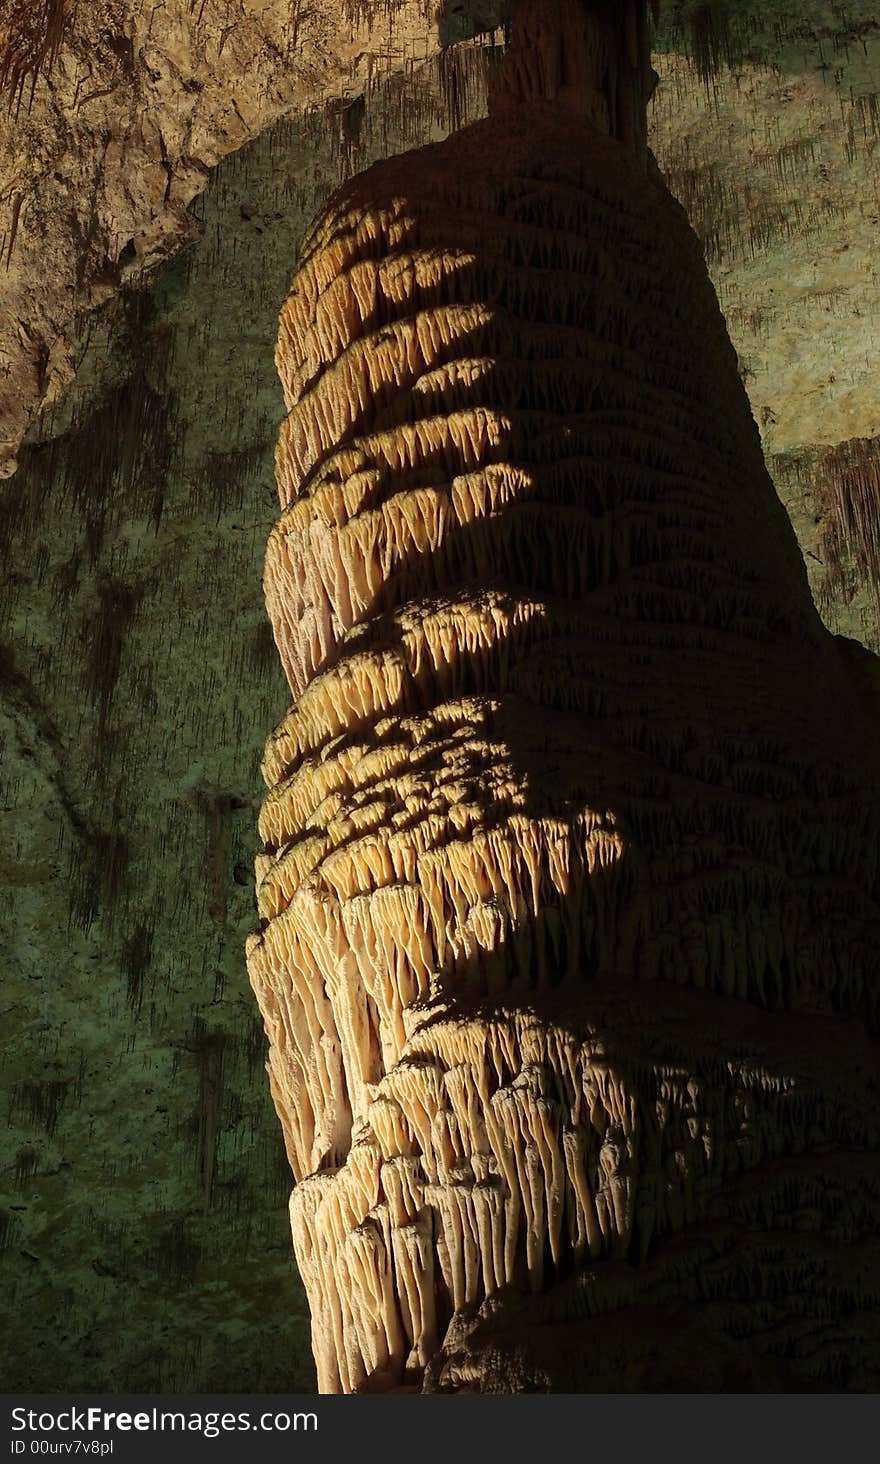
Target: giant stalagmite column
{"points": [[569, 959]]}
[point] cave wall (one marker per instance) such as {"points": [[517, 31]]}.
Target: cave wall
{"points": [[143, 1174], [768, 131]]}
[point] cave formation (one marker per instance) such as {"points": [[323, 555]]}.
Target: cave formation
{"points": [[503, 791], [568, 959]]}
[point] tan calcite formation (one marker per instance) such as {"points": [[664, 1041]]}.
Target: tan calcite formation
{"points": [[570, 844]]}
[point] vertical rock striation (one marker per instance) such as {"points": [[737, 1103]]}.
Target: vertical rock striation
{"points": [[570, 889]]}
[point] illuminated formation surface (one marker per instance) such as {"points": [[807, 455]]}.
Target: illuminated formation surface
{"points": [[570, 881]]}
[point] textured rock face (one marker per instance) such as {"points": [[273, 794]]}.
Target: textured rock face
{"points": [[113, 141], [774, 155], [569, 891]]}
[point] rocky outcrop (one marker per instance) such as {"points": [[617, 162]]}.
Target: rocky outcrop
{"points": [[110, 136], [569, 864]]}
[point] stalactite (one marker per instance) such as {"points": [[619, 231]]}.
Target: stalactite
{"points": [[848, 480], [30, 37]]}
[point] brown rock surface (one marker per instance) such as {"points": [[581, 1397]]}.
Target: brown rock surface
{"points": [[105, 152]]}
